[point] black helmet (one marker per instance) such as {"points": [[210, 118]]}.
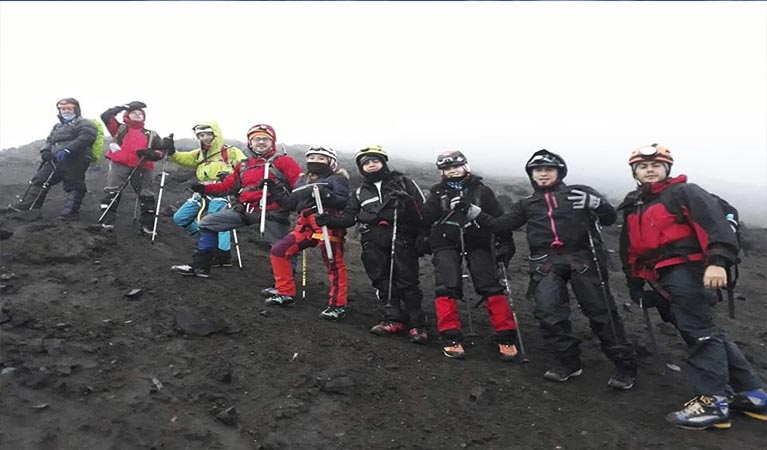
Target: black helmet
{"points": [[451, 158], [545, 158]]}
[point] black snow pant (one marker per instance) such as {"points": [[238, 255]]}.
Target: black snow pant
{"points": [[549, 275], [481, 265], [716, 364], [406, 295]]}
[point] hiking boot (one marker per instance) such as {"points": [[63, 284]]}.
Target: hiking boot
{"points": [[146, 229], [200, 266], [624, 378], [453, 349], [417, 335], [269, 292], [333, 313], [189, 271], [71, 217], [703, 411], [507, 351], [387, 328], [279, 300], [564, 371], [222, 258], [751, 403]]}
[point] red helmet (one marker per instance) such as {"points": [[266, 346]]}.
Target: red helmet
{"points": [[654, 152]]}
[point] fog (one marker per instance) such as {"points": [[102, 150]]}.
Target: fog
{"points": [[498, 80]]}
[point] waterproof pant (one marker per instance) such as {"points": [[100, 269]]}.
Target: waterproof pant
{"points": [[548, 284], [141, 183], [716, 364], [406, 295], [186, 217], [70, 172], [484, 276], [276, 226], [302, 237]]}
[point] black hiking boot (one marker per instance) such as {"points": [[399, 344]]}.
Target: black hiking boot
{"points": [[269, 292], [279, 300], [333, 313], [200, 266], [222, 258], [624, 377], [71, 211], [564, 370]]}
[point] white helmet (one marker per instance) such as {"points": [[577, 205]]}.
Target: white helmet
{"points": [[203, 128], [317, 150]]}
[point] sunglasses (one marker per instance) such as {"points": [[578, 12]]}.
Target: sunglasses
{"points": [[260, 139]]}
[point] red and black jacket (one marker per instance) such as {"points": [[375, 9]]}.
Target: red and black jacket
{"points": [[673, 222]]}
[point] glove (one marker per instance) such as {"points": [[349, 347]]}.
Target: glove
{"points": [[146, 153], [268, 182], [239, 207], [636, 289], [504, 251], [322, 220], [198, 187], [462, 205], [46, 155], [222, 175], [168, 146], [135, 105], [583, 200], [61, 155]]}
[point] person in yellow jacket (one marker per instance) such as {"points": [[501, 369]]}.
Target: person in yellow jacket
{"points": [[213, 160]]}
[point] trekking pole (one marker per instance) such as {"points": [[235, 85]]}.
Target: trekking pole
{"points": [[465, 280], [138, 197], [648, 324], [46, 185], [602, 284], [262, 227], [29, 184], [303, 275], [321, 210], [159, 199], [522, 351], [391, 258], [120, 191]]}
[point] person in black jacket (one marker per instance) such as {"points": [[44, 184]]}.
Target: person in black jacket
{"points": [[560, 222], [453, 233], [65, 157], [372, 206], [677, 239], [332, 182]]}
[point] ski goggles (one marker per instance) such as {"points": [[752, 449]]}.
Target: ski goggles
{"points": [[544, 159], [197, 129], [452, 160]]}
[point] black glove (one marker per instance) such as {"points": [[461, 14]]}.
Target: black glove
{"points": [[636, 289], [135, 105], [148, 154], [198, 187], [46, 155], [504, 251], [168, 146], [222, 175], [322, 219], [267, 182]]}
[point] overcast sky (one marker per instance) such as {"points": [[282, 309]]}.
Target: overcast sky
{"points": [[498, 80]]}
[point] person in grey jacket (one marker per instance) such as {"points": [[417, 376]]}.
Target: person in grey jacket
{"points": [[65, 158]]}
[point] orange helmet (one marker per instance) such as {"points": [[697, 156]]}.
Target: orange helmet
{"points": [[654, 152]]}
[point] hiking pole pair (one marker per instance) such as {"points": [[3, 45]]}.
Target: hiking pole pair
{"points": [[29, 184], [522, 351], [121, 189], [159, 198], [46, 185]]}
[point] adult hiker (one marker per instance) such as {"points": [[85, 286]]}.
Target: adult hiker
{"points": [[565, 246], [65, 157], [246, 183], [386, 207], [325, 189], [459, 244], [213, 161], [676, 239], [132, 153]]}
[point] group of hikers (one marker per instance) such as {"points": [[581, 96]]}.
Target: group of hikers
{"points": [[676, 245]]}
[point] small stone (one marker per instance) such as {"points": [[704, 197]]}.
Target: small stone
{"points": [[134, 294], [228, 416]]}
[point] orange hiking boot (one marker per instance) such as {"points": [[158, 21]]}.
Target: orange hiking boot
{"points": [[508, 352], [453, 349]]}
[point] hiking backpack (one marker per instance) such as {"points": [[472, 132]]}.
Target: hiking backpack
{"points": [[97, 149]]}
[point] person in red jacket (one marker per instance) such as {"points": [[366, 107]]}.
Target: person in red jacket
{"points": [[247, 183], [132, 146], [676, 239]]}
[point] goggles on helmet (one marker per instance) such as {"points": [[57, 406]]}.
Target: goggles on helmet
{"points": [[452, 160]]}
